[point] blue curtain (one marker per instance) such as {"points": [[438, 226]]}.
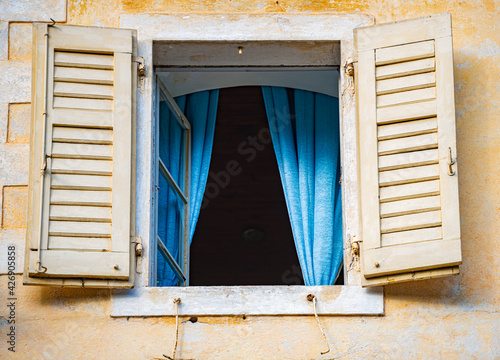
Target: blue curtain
{"points": [[200, 109], [305, 133]]}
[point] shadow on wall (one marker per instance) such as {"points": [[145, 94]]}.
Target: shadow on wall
{"points": [[478, 148]]}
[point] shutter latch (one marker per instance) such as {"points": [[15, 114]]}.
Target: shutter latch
{"points": [[451, 162]]}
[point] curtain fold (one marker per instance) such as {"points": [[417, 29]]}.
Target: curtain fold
{"points": [[305, 133], [200, 109]]}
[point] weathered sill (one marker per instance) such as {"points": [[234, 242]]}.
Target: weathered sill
{"points": [[248, 300]]}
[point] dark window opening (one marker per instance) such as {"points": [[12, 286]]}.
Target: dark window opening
{"points": [[243, 235]]}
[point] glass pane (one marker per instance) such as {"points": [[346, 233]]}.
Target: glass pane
{"points": [[170, 228], [172, 143], [166, 276]]}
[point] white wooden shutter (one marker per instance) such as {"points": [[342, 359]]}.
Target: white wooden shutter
{"points": [[406, 119], [80, 223]]}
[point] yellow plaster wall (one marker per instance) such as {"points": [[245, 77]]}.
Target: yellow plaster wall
{"points": [[450, 318]]}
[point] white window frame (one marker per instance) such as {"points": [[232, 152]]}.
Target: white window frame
{"points": [[349, 299], [180, 268]]}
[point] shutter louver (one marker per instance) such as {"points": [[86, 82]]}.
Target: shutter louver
{"points": [[409, 201], [85, 223]]}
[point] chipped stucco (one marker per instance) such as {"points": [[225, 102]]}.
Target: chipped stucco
{"points": [[449, 318]]}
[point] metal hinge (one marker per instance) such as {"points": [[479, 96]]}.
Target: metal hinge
{"points": [[138, 245], [141, 66], [355, 245], [139, 251], [349, 67]]}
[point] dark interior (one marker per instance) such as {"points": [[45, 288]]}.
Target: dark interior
{"points": [[243, 235]]}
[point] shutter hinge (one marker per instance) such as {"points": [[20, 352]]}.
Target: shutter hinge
{"points": [[139, 251], [141, 66], [355, 245], [138, 245], [349, 67]]}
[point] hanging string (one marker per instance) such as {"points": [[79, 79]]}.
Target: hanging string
{"points": [[177, 301], [312, 298]]}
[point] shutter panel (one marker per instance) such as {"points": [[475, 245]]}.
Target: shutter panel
{"points": [[80, 214], [406, 114]]}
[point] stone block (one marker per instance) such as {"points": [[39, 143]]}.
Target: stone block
{"points": [[4, 40], [15, 81], [14, 206], [20, 40], [18, 124], [8, 238], [33, 10]]}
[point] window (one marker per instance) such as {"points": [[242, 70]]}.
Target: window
{"points": [[246, 179], [84, 91]]}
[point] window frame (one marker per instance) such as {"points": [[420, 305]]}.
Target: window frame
{"points": [[180, 269], [349, 299]]}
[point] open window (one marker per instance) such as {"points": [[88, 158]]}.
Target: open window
{"points": [[243, 235], [81, 206]]}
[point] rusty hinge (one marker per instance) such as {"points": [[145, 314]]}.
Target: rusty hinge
{"points": [[349, 67], [355, 245], [141, 66], [138, 245], [139, 250]]}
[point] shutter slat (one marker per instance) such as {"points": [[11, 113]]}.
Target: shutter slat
{"points": [[406, 112], [81, 182], [86, 76], [80, 213], [409, 175], [82, 135], [409, 191], [408, 159], [78, 166], [410, 222], [405, 83], [405, 68], [83, 118], [76, 228], [83, 60], [82, 151], [414, 198], [406, 97], [86, 104], [408, 144], [79, 243], [88, 91], [406, 52], [410, 206], [407, 128], [411, 236], [80, 197]]}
